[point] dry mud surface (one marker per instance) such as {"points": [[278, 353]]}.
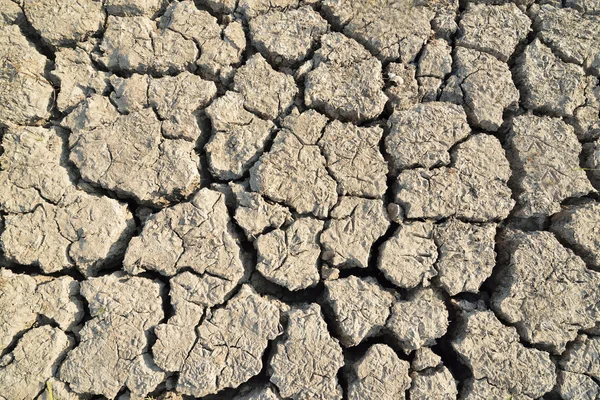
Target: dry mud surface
{"points": [[299, 199]]}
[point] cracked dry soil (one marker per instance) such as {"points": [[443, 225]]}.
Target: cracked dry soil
{"points": [[300, 199]]}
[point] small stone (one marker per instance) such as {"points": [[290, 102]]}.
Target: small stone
{"points": [[379, 374], [466, 255], [238, 137], [419, 320], [329, 274], [422, 135], [355, 224], [230, 344], [360, 307], [438, 384], [473, 188], [267, 93], [346, 81], [407, 259], [305, 362], [550, 85], [545, 155], [395, 212], [354, 160], [290, 257], [54, 20], [494, 29], [498, 360], [287, 37], [545, 291], [402, 88]]}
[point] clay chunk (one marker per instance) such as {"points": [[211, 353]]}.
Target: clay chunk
{"points": [[495, 29], [60, 23], [34, 360], [294, 171], [134, 44], [550, 303], [166, 169], [354, 159], [197, 235], [230, 344], [27, 95], [485, 86], [549, 84], [407, 259], [287, 37], [544, 153], [124, 310], [474, 187], [578, 226], [238, 137], [51, 223], [378, 374], [346, 81], [290, 257], [305, 362], [355, 224], [499, 361], [360, 305], [419, 320], [422, 135], [394, 31]]}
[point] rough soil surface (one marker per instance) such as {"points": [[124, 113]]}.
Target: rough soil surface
{"points": [[299, 199]]}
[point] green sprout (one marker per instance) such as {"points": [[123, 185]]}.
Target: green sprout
{"points": [[49, 390]]}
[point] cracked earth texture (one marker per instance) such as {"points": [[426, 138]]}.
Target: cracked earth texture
{"points": [[299, 199]]}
